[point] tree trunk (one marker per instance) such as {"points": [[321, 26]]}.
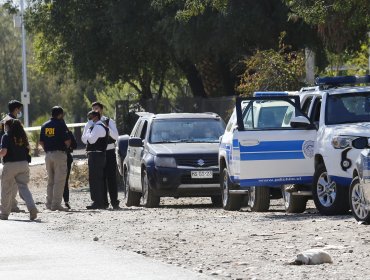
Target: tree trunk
{"points": [[193, 77], [212, 77], [145, 83]]}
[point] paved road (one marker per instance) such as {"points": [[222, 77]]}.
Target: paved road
{"points": [[77, 154], [29, 251]]}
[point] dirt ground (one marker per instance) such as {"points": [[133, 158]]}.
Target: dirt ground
{"points": [[225, 245]]}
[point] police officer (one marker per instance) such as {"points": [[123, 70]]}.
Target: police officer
{"points": [[55, 140], [110, 170], [96, 139], [15, 151], [15, 112]]}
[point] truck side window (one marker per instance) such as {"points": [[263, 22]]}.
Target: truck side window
{"points": [[139, 129], [135, 129], [231, 122], [316, 112], [248, 120], [306, 105], [143, 131]]}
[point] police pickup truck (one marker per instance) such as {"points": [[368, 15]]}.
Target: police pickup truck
{"points": [[299, 142]]}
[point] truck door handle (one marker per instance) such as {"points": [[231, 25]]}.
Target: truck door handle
{"points": [[249, 142]]}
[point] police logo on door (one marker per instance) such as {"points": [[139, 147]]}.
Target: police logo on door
{"points": [[308, 148]]}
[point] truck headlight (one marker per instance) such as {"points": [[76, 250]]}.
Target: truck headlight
{"points": [[165, 162], [342, 142]]}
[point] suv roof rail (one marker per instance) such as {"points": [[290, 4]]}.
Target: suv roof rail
{"points": [[143, 114], [342, 80], [212, 113]]}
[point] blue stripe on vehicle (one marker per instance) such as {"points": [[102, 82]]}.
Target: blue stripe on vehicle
{"points": [[272, 156], [235, 144], [224, 146], [258, 182], [343, 181], [273, 146]]}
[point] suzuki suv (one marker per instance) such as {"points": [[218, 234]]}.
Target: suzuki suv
{"points": [[171, 155]]}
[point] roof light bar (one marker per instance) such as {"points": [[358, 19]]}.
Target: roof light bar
{"points": [[270, 93], [342, 80]]}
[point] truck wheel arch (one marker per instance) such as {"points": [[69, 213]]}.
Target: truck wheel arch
{"points": [[318, 160]]}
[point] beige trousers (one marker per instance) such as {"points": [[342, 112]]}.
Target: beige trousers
{"points": [[15, 175], [56, 167]]}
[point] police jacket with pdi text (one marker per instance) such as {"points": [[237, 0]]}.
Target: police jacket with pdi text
{"points": [[53, 134]]}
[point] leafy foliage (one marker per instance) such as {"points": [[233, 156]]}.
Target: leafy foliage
{"points": [[341, 24], [348, 63], [10, 60], [273, 70], [34, 136]]}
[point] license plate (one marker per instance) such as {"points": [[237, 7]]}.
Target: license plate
{"points": [[201, 174]]}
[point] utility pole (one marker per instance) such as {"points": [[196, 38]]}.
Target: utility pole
{"points": [[25, 95]]}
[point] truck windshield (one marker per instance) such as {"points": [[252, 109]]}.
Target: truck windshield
{"points": [[348, 108], [186, 130]]}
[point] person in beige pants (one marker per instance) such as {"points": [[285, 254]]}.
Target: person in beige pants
{"points": [[16, 172], [15, 112], [55, 140]]}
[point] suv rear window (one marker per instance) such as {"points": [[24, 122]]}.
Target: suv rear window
{"points": [[186, 130]]}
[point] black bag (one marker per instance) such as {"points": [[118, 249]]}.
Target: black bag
{"points": [[29, 158], [73, 140]]}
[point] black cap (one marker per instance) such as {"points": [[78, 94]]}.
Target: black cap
{"points": [[56, 111], [93, 114]]}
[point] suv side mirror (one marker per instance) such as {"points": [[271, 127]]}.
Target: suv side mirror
{"points": [[300, 122], [360, 143], [135, 142]]}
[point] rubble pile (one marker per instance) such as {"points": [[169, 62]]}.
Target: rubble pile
{"points": [[79, 174]]}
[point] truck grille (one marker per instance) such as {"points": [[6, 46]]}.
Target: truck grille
{"points": [[198, 161]]}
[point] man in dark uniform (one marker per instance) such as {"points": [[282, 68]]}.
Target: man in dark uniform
{"points": [[110, 170], [55, 140], [96, 139]]}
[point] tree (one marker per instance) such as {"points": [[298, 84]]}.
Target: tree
{"points": [[115, 39], [215, 35], [10, 60], [341, 24], [273, 70], [141, 42]]}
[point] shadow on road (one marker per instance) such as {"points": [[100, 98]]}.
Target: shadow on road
{"points": [[189, 206], [306, 216], [26, 221]]}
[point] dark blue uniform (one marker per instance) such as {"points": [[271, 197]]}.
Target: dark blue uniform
{"points": [[53, 134]]}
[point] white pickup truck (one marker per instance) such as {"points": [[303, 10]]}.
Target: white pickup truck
{"points": [[305, 144]]}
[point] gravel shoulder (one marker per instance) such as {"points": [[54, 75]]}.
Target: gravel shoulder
{"points": [[190, 233]]}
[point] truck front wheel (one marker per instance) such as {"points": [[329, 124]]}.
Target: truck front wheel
{"points": [[329, 197], [230, 202], [293, 203], [259, 199]]}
